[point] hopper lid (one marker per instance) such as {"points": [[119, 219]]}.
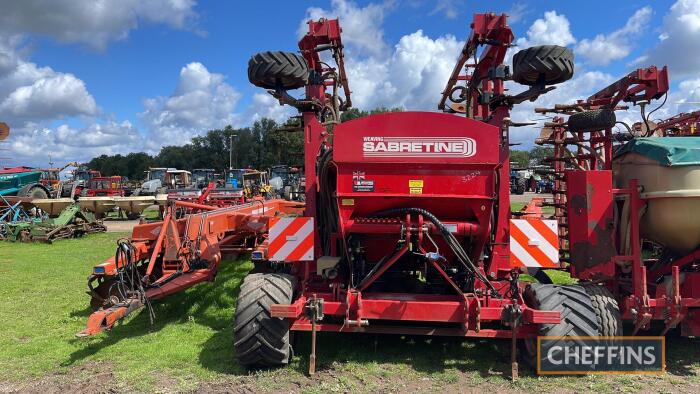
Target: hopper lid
{"points": [[667, 151]]}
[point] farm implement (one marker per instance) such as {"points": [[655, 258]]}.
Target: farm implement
{"points": [[175, 254], [71, 223], [407, 229], [13, 211]]}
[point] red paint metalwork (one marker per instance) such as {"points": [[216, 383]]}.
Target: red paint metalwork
{"points": [[589, 199], [174, 255], [461, 188], [444, 166], [601, 235], [680, 125]]}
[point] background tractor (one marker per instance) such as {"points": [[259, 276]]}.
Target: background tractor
{"points": [[287, 182], [23, 183]]}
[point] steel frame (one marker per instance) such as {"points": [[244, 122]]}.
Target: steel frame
{"points": [[169, 254], [594, 150]]}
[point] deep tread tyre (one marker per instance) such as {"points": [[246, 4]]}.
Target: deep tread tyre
{"points": [[272, 69], [606, 309], [259, 339], [520, 186], [599, 119], [555, 62], [578, 316], [34, 192]]}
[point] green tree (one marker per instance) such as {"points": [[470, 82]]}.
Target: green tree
{"points": [[539, 153], [260, 146], [354, 113], [520, 158]]}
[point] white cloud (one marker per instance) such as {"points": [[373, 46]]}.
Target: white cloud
{"points": [[94, 23], [54, 95], [678, 44], [603, 49], [686, 98], [266, 106], [552, 29], [362, 27], [411, 75], [201, 101], [580, 87], [517, 12], [29, 92], [449, 8], [31, 143]]}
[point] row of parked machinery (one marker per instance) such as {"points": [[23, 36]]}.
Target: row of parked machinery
{"points": [[280, 181], [533, 179], [38, 183]]}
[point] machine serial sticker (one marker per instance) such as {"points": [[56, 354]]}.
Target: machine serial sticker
{"points": [[415, 183], [416, 190], [347, 201], [363, 186], [360, 184]]}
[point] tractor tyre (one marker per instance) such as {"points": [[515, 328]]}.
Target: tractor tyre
{"points": [[259, 339], [270, 70], [578, 316], [34, 192], [550, 64], [606, 309], [599, 119], [520, 186]]}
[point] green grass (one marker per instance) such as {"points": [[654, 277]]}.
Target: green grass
{"points": [[43, 304], [516, 206]]}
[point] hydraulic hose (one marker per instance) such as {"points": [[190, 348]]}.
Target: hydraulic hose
{"points": [[452, 242]]}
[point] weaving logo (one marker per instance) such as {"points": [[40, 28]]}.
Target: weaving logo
{"points": [[456, 147], [601, 355]]}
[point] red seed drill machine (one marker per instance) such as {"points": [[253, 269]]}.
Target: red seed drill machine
{"points": [[406, 226]]}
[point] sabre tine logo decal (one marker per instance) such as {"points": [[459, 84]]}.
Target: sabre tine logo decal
{"points": [[457, 147]]}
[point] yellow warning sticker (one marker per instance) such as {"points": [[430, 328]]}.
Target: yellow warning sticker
{"points": [[415, 183], [347, 201], [416, 190]]}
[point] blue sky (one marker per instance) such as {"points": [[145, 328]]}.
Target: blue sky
{"points": [[82, 78]]}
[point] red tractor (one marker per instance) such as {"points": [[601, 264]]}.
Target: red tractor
{"points": [[78, 182], [406, 228], [105, 186]]}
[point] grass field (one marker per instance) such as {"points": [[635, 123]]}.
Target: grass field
{"points": [[189, 347]]}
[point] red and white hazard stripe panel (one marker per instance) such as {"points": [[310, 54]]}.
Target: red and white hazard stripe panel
{"points": [[291, 239], [534, 243]]}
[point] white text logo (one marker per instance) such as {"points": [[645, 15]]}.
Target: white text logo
{"points": [[418, 147]]}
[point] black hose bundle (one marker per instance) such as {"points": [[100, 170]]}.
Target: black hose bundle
{"points": [[450, 239], [129, 278], [328, 210]]}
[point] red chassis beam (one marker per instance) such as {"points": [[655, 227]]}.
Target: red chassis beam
{"points": [[179, 248], [468, 311], [641, 84]]}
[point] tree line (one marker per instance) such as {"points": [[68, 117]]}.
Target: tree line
{"points": [[535, 156], [259, 146], [264, 144]]}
